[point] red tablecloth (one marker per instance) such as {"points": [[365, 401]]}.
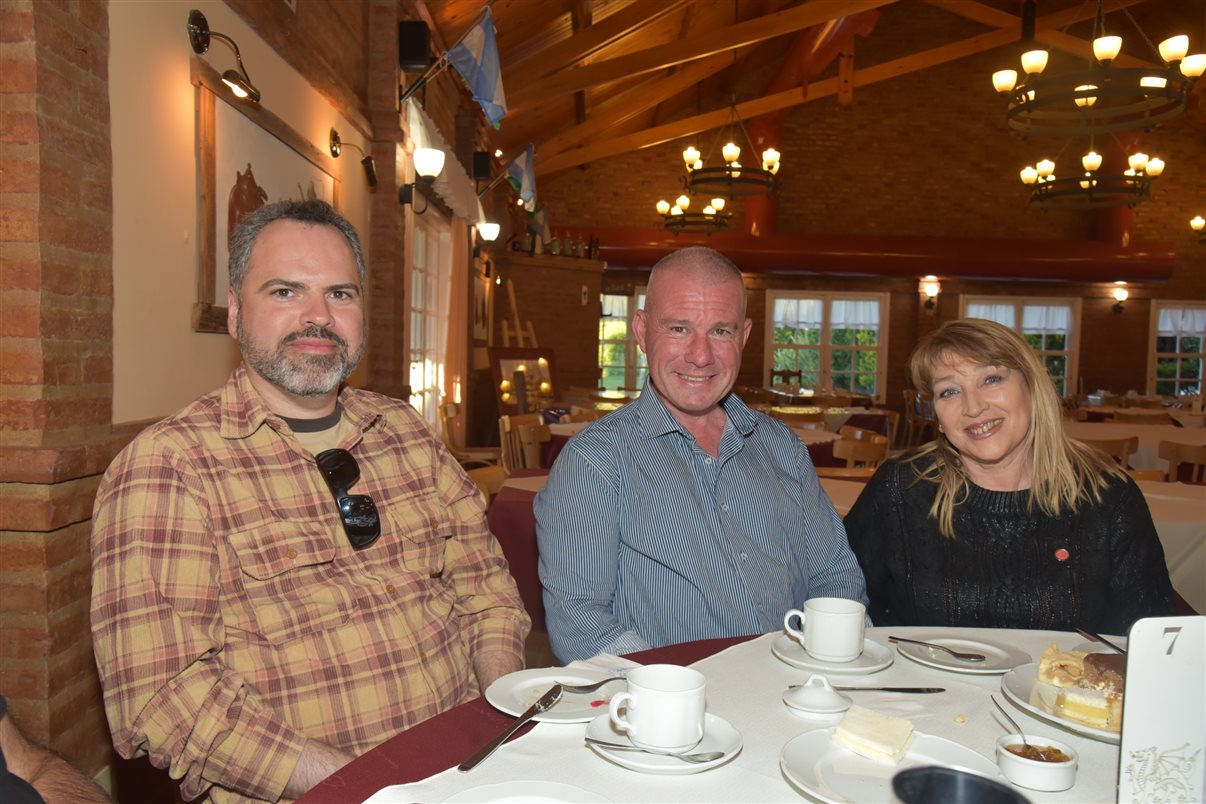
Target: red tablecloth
{"points": [[445, 740], [512, 522]]}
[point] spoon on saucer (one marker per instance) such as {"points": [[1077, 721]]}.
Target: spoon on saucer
{"points": [[960, 655], [703, 756]]}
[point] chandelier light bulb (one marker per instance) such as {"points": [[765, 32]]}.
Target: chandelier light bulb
{"points": [[1085, 100], [1106, 48], [1155, 166], [676, 210], [1034, 61], [1029, 175], [1137, 161], [718, 204], [1193, 66], [708, 210], [1086, 183], [730, 152], [770, 157], [682, 202], [663, 207], [1153, 82], [698, 164], [1045, 167], [1197, 223], [1005, 80], [1091, 161], [691, 156], [1174, 48], [736, 169], [1129, 172]]}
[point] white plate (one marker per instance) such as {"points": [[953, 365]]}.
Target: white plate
{"points": [[998, 658], [515, 692], [1021, 685], [875, 657], [836, 775], [532, 792], [719, 735]]}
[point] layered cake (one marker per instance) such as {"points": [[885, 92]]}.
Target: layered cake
{"points": [[1090, 686], [874, 735]]}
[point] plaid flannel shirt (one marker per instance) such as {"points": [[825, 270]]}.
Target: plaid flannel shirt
{"points": [[232, 619]]}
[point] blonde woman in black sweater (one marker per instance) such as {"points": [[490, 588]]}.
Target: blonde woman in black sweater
{"points": [[1003, 520]]}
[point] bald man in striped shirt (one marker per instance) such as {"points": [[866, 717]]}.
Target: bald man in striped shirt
{"points": [[685, 515]]}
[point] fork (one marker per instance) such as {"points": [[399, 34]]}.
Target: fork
{"points": [[579, 688], [965, 657]]}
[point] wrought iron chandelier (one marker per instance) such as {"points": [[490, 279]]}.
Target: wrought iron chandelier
{"points": [[1094, 188], [679, 218], [731, 179], [1101, 99]]}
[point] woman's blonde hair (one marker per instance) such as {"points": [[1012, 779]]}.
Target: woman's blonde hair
{"points": [[1063, 471]]}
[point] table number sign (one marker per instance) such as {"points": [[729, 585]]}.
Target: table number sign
{"points": [[1163, 750]]}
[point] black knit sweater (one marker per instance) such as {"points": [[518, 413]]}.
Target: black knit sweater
{"points": [[1100, 568]]}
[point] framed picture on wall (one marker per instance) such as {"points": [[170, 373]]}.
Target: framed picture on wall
{"points": [[524, 379], [246, 157]]}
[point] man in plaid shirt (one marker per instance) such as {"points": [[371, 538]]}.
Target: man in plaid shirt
{"points": [[288, 571]]}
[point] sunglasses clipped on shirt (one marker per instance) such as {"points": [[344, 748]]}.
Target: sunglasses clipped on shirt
{"points": [[358, 512]]}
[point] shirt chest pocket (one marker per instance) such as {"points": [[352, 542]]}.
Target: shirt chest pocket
{"points": [[421, 529], [291, 587]]}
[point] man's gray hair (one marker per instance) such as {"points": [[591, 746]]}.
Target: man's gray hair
{"points": [[313, 212], [706, 265]]}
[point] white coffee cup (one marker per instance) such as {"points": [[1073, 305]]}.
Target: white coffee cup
{"points": [[831, 628], [663, 707]]}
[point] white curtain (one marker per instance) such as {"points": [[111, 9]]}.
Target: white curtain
{"points": [[854, 314], [615, 307], [1040, 318], [1182, 321], [798, 313], [1003, 314]]}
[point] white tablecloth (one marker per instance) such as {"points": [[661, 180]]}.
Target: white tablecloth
{"points": [[842, 493], [1179, 511], [1150, 436], [745, 685]]}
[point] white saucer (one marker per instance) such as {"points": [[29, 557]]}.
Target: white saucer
{"points": [[515, 692], [719, 735], [875, 657], [998, 658], [526, 792], [836, 775]]}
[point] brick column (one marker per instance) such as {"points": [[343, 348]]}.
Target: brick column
{"points": [[56, 360]]}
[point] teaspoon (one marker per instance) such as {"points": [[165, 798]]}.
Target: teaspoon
{"points": [[704, 756], [1014, 724], [960, 655]]}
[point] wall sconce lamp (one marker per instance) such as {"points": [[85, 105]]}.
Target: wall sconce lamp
{"points": [[488, 231], [1198, 224], [1120, 294], [929, 287], [199, 35], [428, 164], [370, 167]]}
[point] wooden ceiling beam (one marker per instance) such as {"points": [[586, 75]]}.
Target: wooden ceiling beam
{"points": [[667, 55], [582, 17], [582, 44]]}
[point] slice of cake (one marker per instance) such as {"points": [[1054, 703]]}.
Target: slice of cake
{"points": [[874, 735], [1061, 668], [1106, 672], [1090, 707]]}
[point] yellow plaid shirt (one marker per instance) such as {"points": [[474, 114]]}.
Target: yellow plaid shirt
{"points": [[232, 619]]}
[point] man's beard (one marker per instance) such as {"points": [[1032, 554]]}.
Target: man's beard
{"points": [[306, 375]]}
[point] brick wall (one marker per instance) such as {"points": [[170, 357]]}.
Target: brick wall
{"points": [[56, 292]]}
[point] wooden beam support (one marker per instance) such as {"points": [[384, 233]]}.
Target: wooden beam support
{"points": [[666, 55], [846, 74]]}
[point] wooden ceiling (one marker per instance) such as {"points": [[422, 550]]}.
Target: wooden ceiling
{"points": [[588, 80]]}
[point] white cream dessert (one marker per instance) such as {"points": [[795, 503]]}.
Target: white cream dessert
{"points": [[874, 735], [1090, 686]]}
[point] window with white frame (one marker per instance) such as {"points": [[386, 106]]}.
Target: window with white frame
{"points": [[621, 362], [1050, 326], [430, 291], [836, 341], [1175, 361]]}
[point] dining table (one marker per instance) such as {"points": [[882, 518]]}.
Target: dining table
{"points": [[746, 679], [1179, 514], [1149, 435]]}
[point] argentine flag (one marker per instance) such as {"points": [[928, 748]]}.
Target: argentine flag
{"points": [[522, 175], [476, 58]]}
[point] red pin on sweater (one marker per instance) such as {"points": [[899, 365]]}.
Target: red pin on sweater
{"points": [[1061, 554]]}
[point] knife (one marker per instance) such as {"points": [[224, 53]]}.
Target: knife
{"points": [[916, 690], [543, 704]]}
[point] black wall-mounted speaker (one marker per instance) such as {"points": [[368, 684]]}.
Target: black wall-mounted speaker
{"points": [[413, 51], [481, 166]]}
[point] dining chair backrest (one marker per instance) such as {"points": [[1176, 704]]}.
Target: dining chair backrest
{"points": [[1151, 402], [786, 377], [466, 456], [532, 438], [508, 434], [1120, 449], [869, 452], [1122, 417], [857, 474], [753, 395], [489, 480], [1178, 454], [893, 427], [856, 433], [582, 415], [1146, 474], [919, 419]]}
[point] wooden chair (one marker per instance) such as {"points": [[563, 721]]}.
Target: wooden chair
{"points": [[857, 474], [893, 427], [1120, 449], [869, 452], [467, 456], [489, 480], [532, 438], [752, 395], [1146, 474], [919, 421], [508, 434], [581, 415], [790, 377], [1151, 403], [1178, 454], [857, 433], [1122, 417]]}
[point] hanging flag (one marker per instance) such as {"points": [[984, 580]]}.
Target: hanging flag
{"points": [[538, 222], [476, 58], [522, 175]]}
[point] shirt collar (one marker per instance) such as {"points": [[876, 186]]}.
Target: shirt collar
{"points": [[656, 419], [243, 410]]}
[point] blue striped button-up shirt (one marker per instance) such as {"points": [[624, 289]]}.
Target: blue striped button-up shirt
{"points": [[646, 539]]}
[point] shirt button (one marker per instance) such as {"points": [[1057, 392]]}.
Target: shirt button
{"points": [[724, 507], [291, 553], [745, 557], [707, 460], [389, 587]]}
